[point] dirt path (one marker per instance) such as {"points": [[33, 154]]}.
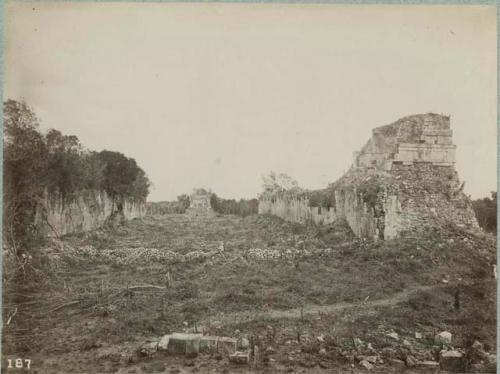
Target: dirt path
{"points": [[325, 309]]}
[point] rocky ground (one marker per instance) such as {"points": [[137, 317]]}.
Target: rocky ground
{"points": [[311, 299]]}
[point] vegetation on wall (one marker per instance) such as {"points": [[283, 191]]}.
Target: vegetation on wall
{"points": [[486, 212], [169, 207], [37, 164]]}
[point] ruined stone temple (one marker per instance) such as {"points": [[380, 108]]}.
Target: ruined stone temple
{"points": [[402, 180], [199, 202], [414, 139]]}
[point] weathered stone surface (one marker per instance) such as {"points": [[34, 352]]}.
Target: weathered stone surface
{"points": [[208, 344], [427, 365], [184, 344], [366, 365], [163, 344], [396, 362], [393, 335], [452, 361], [370, 359], [226, 345], [411, 162], [443, 338], [148, 348], [411, 361], [87, 212], [240, 357]]}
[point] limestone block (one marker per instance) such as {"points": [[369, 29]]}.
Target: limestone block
{"points": [[185, 344], [226, 345], [427, 366], [443, 337], [452, 361], [240, 358], [208, 344], [163, 344], [148, 348]]}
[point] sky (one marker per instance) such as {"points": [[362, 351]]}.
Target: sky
{"points": [[217, 95]]}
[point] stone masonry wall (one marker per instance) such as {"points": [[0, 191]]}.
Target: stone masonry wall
{"points": [[402, 180], [378, 204], [87, 212]]}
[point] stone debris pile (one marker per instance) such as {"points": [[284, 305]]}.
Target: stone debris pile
{"points": [[135, 255], [191, 344], [287, 254]]}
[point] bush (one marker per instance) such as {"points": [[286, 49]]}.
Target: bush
{"points": [[486, 212], [230, 206]]}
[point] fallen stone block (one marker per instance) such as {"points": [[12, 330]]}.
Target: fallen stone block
{"points": [[370, 359], [452, 361], [366, 365], [411, 361], [241, 358], [148, 348], [443, 338], [226, 345], [427, 365], [397, 363], [184, 344], [163, 344], [393, 335], [208, 344]]}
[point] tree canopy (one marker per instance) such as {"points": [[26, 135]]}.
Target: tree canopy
{"points": [[36, 163]]}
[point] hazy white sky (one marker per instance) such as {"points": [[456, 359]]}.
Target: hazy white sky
{"points": [[215, 95]]}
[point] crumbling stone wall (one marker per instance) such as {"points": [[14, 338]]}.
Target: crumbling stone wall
{"points": [[416, 138], [297, 210], [403, 180], [88, 211]]}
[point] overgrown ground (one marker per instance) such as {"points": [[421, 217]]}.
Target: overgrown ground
{"points": [[311, 297]]}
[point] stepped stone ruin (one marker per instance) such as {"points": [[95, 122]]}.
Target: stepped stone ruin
{"points": [[403, 179], [199, 203]]}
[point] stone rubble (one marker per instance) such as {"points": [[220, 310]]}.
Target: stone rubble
{"points": [[443, 338]]}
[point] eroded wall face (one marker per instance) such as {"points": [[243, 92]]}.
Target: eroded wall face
{"points": [[402, 180], [86, 212], [420, 138]]}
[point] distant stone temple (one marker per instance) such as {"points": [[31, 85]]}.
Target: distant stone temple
{"points": [[199, 202], [413, 139]]}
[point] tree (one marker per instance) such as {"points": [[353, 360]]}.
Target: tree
{"points": [[486, 212], [24, 171], [66, 172], [123, 177], [275, 184], [36, 166], [184, 202]]}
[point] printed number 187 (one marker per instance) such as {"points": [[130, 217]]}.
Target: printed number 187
{"points": [[19, 363]]}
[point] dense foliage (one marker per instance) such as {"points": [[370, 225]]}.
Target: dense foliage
{"points": [[169, 207], [242, 207], [486, 212], [38, 164]]}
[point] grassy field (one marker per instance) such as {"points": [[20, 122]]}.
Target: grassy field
{"points": [[99, 295]]}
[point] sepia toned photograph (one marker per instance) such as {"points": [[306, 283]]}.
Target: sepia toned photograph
{"points": [[249, 188]]}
